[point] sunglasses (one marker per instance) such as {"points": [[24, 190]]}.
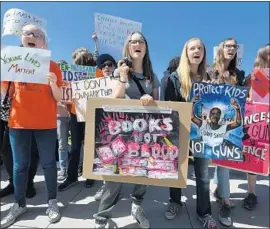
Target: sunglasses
{"points": [[134, 42], [35, 35], [231, 46], [109, 64]]}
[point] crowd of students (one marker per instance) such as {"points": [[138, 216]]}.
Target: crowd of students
{"points": [[38, 118]]}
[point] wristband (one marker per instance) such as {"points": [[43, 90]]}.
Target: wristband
{"points": [[122, 81]]}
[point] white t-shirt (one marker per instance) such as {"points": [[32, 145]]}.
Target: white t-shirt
{"points": [[212, 137]]}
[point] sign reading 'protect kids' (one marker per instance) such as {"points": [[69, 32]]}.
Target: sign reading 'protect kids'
{"points": [[26, 65]]}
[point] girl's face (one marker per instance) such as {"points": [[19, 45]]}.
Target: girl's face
{"points": [[32, 37], [229, 49], [195, 52], [137, 46]]}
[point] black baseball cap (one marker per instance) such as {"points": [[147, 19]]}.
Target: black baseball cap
{"points": [[103, 58]]}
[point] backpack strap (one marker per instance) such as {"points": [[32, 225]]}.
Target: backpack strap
{"points": [[139, 85]]}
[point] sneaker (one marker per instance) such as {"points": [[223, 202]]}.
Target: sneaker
{"points": [[225, 215], [62, 175], [99, 193], [53, 211], [30, 191], [13, 214], [139, 215], [219, 198], [80, 169], [88, 183], [101, 223], [208, 222], [172, 211], [66, 185], [250, 201], [8, 190]]}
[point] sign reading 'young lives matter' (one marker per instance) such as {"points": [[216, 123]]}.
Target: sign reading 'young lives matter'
{"points": [[255, 141], [217, 121]]}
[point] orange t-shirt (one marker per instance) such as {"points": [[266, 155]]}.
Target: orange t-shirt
{"points": [[33, 105]]}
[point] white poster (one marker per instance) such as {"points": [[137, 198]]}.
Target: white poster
{"points": [[92, 88], [112, 33], [240, 54], [15, 19], [27, 65]]}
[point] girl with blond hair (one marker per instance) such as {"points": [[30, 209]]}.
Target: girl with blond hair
{"points": [[192, 68]]}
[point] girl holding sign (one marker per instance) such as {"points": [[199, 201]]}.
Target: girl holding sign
{"points": [[192, 68], [33, 112], [224, 71], [262, 61], [136, 81]]}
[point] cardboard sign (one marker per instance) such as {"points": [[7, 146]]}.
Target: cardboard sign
{"points": [[112, 33], [130, 143], [27, 65], [15, 19], [91, 88], [217, 121], [260, 85], [255, 141]]}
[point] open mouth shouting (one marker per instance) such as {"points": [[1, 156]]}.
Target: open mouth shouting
{"points": [[31, 44]]}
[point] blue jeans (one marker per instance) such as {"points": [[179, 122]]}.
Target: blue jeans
{"points": [[20, 140], [222, 179], [202, 188], [63, 126]]}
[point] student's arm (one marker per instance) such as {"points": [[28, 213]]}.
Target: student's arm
{"points": [[95, 38], [55, 81], [195, 119], [120, 88]]}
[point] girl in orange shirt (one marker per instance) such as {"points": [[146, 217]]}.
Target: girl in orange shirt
{"points": [[33, 112]]}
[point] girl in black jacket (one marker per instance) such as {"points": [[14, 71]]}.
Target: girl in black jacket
{"points": [[192, 68]]}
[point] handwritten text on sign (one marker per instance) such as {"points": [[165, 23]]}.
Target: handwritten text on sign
{"points": [[91, 88], [27, 65], [15, 19], [113, 31]]}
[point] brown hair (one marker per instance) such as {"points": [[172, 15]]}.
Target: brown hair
{"points": [[147, 64], [82, 56], [261, 60]]}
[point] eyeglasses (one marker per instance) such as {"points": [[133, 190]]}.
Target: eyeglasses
{"points": [[35, 35], [231, 46], [109, 64], [134, 42]]}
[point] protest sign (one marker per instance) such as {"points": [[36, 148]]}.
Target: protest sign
{"points": [[91, 88], [130, 143], [15, 19], [112, 33], [255, 141], [260, 85], [217, 121], [240, 54], [71, 72], [27, 65]]}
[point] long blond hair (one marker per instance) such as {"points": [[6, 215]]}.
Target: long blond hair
{"points": [[218, 65], [183, 70], [147, 64], [261, 60]]}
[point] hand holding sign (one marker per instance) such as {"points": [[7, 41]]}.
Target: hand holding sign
{"points": [[52, 78]]}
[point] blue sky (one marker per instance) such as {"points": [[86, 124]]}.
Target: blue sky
{"points": [[166, 25]]}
